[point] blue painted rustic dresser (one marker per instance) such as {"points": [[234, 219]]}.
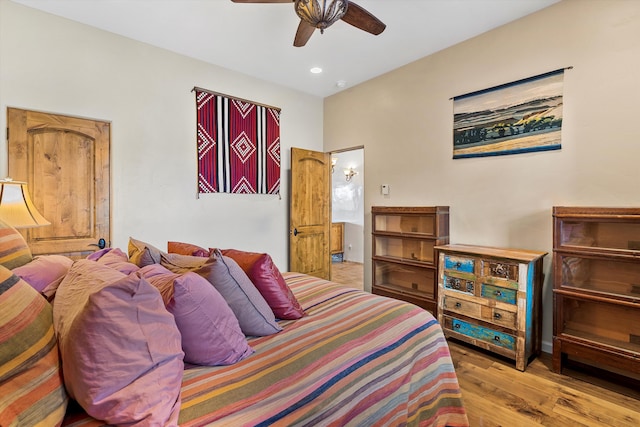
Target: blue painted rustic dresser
{"points": [[492, 298]]}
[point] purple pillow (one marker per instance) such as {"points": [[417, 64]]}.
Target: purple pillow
{"points": [[121, 354], [210, 331], [250, 308], [114, 258], [45, 272]]}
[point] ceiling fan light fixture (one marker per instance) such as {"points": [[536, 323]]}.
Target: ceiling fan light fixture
{"points": [[321, 13]]}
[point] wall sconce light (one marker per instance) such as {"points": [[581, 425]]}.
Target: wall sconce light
{"points": [[349, 173], [334, 161], [16, 208]]}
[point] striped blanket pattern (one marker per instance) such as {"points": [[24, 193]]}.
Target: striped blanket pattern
{"points": [[355, 359]]}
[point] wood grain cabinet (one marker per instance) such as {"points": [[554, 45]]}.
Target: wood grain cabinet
{"points": [[596, 272], [492, 298], [337, 238], [404, 258]]}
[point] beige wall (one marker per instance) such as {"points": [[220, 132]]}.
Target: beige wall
{"points": [[52, 64], [404, 120]]}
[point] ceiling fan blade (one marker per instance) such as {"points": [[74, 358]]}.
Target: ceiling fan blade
{"points": [[303, 34], [360, 18], [262, 1]]}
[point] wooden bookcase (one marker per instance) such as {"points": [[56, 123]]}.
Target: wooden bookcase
{"points": [[492, 298], [596, 272], [404, 258]]}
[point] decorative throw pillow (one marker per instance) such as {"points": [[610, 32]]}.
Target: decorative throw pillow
{"points": [[186, 249], [44, 272], [250, 308], [114, 258], [14, 250], [141, 253], [269, 281], [121, 353], [177, 263], [210, 331], [31, 386]]}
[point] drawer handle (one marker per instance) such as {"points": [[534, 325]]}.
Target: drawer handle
{"points": [[497, 293], [458, 305], [497, 316], [496, 338], [457, 326], [458, 264]]}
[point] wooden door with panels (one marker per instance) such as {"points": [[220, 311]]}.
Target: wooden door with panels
{"points": [[65, 161], [310, 213]]}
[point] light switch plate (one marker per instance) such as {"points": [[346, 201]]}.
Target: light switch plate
{"points": [[384, 189]]}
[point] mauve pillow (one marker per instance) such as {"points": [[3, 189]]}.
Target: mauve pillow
{"points": [[186, 249], [141, 253], [210, 331], [248, 305], [114, 258], [121, 354], [44, 272], [269, 281]]}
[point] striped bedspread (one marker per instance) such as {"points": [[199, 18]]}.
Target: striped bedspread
{"points": [[356, 359]]}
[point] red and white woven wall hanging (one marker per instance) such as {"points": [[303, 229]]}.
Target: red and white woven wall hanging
{"points": [[238, 145]]}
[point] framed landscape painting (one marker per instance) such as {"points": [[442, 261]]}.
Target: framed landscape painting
{"points": [[518, 117]]}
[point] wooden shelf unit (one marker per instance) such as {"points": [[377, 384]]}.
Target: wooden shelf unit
{"points": [[404, 257], [596, 295]]}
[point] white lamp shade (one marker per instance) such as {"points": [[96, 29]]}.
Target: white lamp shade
{"points": [[16, 208]]}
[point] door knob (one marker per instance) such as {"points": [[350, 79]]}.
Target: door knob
{"points": [[101, 243]]}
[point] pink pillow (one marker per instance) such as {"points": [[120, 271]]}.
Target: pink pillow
{"points": [[121, 354], [186, 249], [114, 258], [44, 272], [269, 281], [250, 308], [210, 332]]}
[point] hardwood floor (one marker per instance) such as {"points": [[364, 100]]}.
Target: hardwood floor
{"points": [[348, 273], [496, 394]]}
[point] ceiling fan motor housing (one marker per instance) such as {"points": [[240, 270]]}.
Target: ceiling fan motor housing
{"points": [[321, 13]]}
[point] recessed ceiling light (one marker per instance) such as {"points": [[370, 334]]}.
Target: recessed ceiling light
{"points": [[341, 83], [316, 70]]}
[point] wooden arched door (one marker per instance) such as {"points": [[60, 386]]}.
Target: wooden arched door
{"points": [[65, 161], [310, 213]]}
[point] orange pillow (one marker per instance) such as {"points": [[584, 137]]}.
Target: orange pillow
{"points": [[267, 278], [186, 249]]}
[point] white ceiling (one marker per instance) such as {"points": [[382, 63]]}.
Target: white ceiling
{"points": [[257, 39]]}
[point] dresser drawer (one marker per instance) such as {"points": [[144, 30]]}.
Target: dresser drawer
{"points": [[498, 293], [500, 269], [460, 306], [478, 311], [480, 333], [457, 263], [459, 283]]}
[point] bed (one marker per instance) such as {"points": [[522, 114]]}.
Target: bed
{"points": [[353, 359]]}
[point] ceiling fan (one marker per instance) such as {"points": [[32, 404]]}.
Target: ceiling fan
{"points": [[323, 13]]}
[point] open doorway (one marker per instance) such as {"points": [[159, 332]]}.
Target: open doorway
{"points": [[347, 217]]}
